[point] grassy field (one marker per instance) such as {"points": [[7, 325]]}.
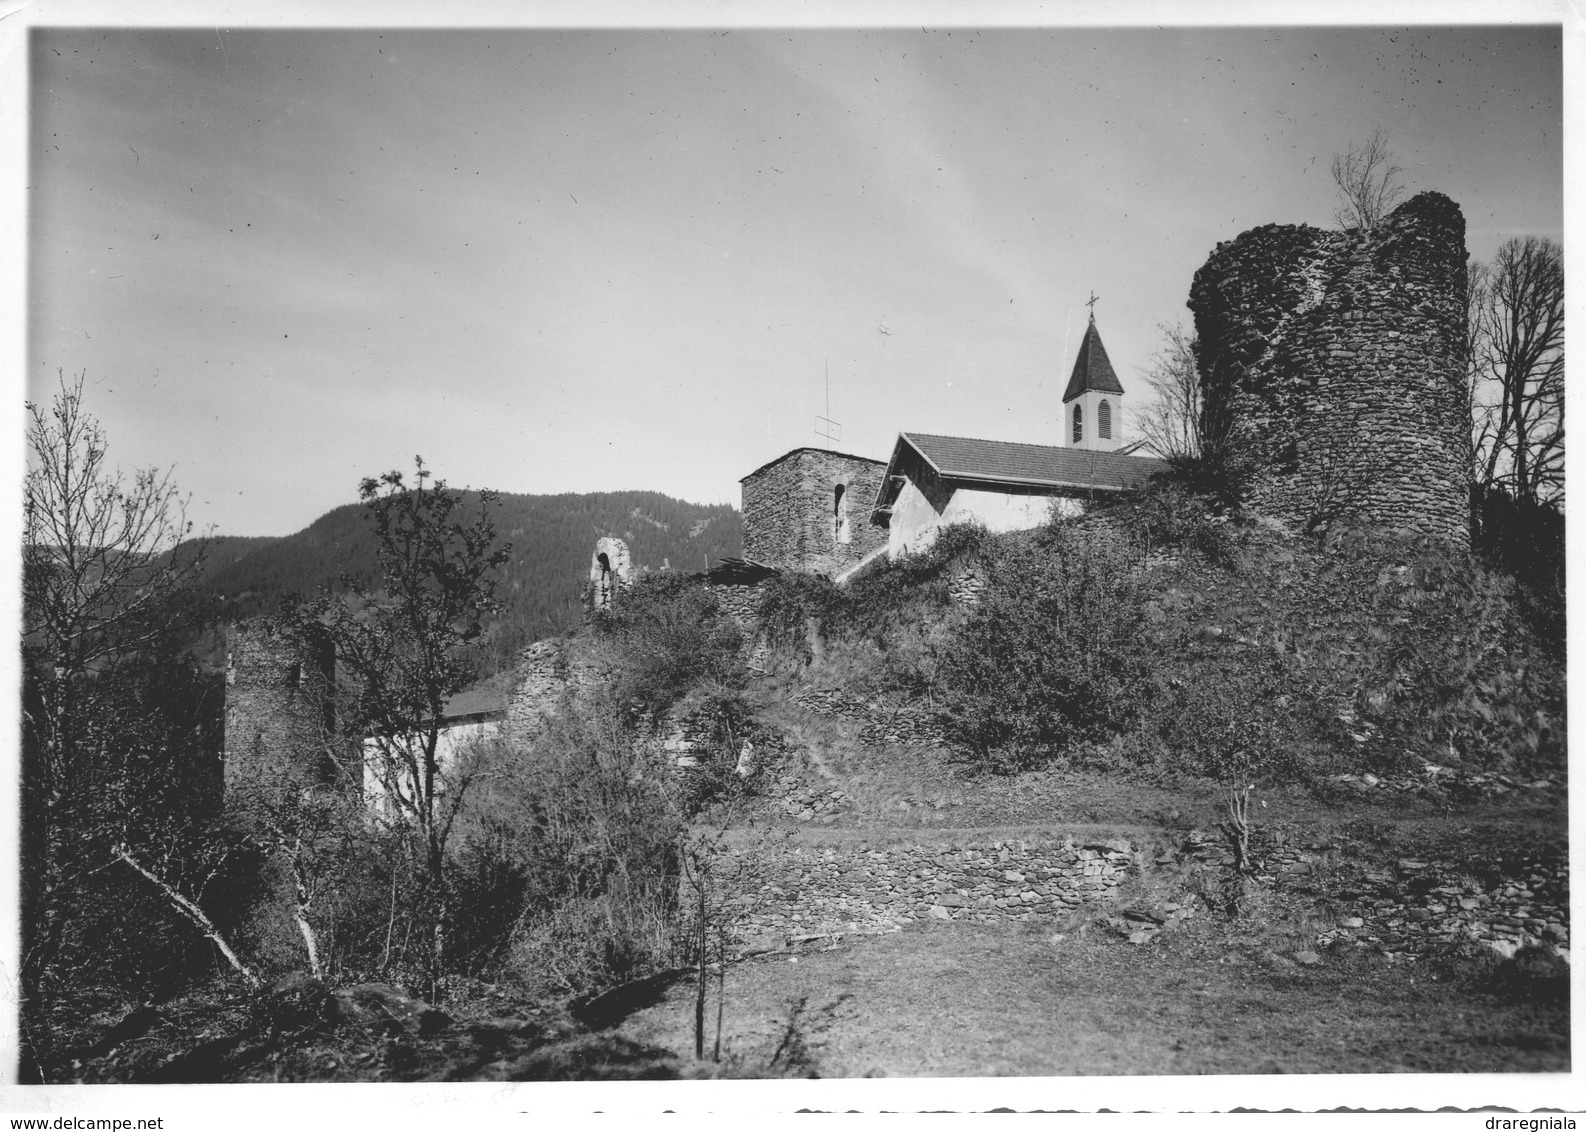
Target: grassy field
{"points": [[961, 1000]]}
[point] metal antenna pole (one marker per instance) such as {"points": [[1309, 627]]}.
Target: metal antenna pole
{"points": [[826, 428]]}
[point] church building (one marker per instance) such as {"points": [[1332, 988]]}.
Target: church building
{"points": [[803, 510]]}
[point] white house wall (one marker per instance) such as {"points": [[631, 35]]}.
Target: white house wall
{"points": [[452, 739], [914, 522]]}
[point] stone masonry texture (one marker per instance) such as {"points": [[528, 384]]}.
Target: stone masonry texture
{"points": [[1339, 361], [782, 890], [793, 889], [791, 516], [278, 703]]}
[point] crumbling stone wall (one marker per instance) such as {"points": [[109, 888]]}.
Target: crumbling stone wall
{"points": [[610, 571], [1337, 360], [741, 602], [793, 519], [280, 708], [548, 671], [545, 672]]}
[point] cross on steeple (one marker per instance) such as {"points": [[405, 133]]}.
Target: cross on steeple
{"points": [[1092, 305]]}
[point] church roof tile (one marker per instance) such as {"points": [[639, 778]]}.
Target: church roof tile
{"points": [[1031, 465]]}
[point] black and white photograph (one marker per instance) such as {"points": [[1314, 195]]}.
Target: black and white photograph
{"points": [[898, 558]]}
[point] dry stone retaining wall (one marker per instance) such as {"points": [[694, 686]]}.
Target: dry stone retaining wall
{"points": [[789, 890], [1340, 360], [779, 890], [883, 724]]}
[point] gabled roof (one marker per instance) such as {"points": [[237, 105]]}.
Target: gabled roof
{"points": [[1002, 462], [1092, 368], [822, 451]]}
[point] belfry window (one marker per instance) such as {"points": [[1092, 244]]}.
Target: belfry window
{"points": [[1104, 421], [1079, 424]]}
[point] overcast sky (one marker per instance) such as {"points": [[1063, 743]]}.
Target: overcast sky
{"points": [[594, 260]]}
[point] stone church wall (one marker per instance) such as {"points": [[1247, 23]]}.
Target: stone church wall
{"points": [[1339, 361], [790, 512]]}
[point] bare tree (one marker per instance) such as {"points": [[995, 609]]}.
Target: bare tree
{"points": [[1478, 284], [105, 562], [1170, 425], [1368, 182], [405, 650], [1518, 372]]}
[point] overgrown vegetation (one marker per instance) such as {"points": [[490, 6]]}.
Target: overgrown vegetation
{"points": [[552, 865], [1051, 657], [880, 605], [1164, 635], [666, 636]]}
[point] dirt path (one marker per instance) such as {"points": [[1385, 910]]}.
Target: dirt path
{"points": [[953, 1000]]}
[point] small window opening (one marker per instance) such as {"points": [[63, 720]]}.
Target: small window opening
{"points": [[1079, 424], [1104, 421], [840, 529], [294, 675], [604, 586]]}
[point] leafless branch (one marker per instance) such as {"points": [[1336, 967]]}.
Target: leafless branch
{"points": [[1368, 184]]}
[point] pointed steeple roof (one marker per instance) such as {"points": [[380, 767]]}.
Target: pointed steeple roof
{"points": [[1092, 369]]}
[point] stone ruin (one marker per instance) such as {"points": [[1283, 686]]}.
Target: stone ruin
{"points": [[610, 569], [1335, 361], [280, 704]]}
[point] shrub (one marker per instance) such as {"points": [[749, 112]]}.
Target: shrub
{"points": [[1052, 654], [1525, 540], [668, 634], [1167, 513], [588, 822], [1456, 667], [789, 601], [883, 605], [893, 594], [1233, 716]]}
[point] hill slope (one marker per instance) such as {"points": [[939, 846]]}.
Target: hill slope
{"points": [[552, 538]]}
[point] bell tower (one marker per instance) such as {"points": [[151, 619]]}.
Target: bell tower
{"points": [[1093, 401]]}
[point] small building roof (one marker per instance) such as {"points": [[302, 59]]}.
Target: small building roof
{"points": [[1092, 368], [737, 572], [1030, 465], [482, 699]]}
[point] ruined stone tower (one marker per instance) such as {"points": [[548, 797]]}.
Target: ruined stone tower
{"points": [[610, 569], [1334, 363], [280, 705]]}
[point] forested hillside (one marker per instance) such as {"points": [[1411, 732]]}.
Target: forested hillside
{"points": [[552, 538]]}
